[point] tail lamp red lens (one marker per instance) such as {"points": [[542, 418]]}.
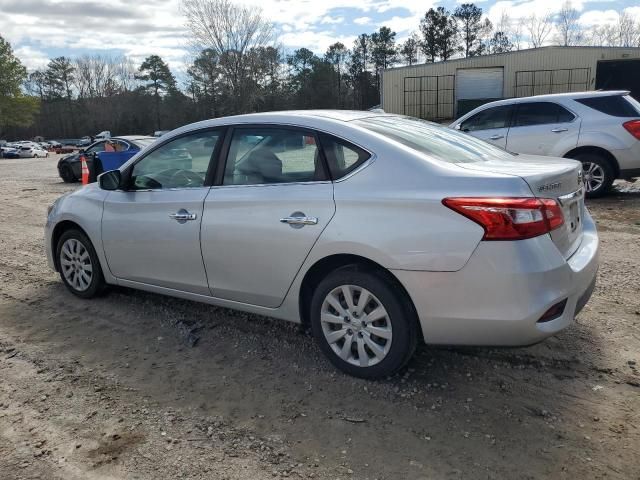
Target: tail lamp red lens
{"points": [[633, 127], [509, 218]]}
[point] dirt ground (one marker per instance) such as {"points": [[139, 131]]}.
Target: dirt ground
{"points": [[139, 386]]}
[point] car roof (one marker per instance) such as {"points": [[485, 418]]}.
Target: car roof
{"points": [[132, 138], [560, 96]]}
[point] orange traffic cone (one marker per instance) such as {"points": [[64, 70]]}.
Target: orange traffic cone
{"points": [[84, 169]]}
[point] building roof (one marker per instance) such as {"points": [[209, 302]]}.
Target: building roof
{"points": [[524, 51]]}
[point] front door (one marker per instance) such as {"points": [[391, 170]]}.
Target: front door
{"points": [[261, 223], [151, 230], [490, 124]]}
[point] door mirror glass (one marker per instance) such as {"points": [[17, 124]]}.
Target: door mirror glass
{"points": [[110, 180]]}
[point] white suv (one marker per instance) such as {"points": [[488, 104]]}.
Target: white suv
{"points": [[601, 129]]}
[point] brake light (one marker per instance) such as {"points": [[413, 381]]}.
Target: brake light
{"points": [[509, 218], [633, 127]]}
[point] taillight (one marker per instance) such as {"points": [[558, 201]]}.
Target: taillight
{"points": [[509, 218], [633, 127]]}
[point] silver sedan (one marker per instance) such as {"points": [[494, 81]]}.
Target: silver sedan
{"points": [[376, 230]]}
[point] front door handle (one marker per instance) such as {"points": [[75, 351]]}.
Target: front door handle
{"points": [[559, 130], [182, 215], [496, 137], [299, 220]]}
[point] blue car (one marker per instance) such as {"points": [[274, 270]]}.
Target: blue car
{"points": [[70, 169]]}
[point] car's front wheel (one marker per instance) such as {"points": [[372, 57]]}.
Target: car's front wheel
{"points": [[79, 265], [362, 323], [66, 173]]}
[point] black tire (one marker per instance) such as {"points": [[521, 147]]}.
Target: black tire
{"points": [[400, 315], [66, 173], [609, 176], [96, 285]]}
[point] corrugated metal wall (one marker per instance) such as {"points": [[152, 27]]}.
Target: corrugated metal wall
{"points": [[582, 60]]}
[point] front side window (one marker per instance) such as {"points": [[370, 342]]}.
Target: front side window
{"points": [[541, 113], [496, 117], [434, 140], [261, 155], [180, 163]]}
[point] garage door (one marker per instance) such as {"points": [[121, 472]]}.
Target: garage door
{"points": [[475, 86]]}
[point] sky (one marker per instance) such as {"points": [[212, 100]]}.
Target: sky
{"points": [[43, 29]]}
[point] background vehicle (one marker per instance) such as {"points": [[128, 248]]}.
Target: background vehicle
{"points": [[69, 167], [600, 129], [32, 152], [9, 152], [84, 141], [376, 230]]}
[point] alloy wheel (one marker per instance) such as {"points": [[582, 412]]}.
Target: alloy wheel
{"points": [[76, 266], [594, 176], [356, 325]]}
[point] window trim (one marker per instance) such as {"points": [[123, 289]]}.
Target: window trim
{"points": [[218, 180], [213, 159], [519, 104], [510, 117]]}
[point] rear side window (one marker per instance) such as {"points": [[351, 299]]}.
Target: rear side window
{"points": [[614, 105], [496, 117], [541, 113], [342, 156]]}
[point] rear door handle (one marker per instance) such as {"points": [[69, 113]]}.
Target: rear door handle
{"points": [[496, 137], [559, 130], [182, 215]]}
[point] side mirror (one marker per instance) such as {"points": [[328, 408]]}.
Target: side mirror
{"points": [[110, 180], [457, 127], [81, 150]]}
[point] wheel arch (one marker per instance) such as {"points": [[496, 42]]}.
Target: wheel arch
{"points": [[326, 265], [604, 153], [59, 229]]}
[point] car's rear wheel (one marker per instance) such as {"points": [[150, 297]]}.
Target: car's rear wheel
{"points": [[361, 322], [598, 174], [66, 173], [79, 265]]}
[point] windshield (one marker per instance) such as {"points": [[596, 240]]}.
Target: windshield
{"points": [[434, 140]]}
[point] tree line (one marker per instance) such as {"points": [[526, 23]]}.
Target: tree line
{"points": [[239, 66]]}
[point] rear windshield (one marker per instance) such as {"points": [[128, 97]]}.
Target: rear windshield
{"points": [[434, 140], [614, 105]]}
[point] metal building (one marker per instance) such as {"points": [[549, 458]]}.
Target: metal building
{"points": [[445, 90]]}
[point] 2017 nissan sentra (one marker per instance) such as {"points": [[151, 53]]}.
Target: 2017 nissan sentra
{"points": [[377, 230]]}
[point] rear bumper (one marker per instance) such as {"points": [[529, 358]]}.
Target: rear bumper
{"points": [[499, 296]]}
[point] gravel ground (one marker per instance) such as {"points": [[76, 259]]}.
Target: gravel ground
{"points": [[139, 386]]}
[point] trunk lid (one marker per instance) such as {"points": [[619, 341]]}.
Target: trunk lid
{"points": [[557, 178]]}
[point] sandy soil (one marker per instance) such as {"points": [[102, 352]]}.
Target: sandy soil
{"points": [[139, 386]]}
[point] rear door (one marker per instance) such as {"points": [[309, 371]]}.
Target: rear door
{"points": [[272, 202], [490, 124], [543, 128]]}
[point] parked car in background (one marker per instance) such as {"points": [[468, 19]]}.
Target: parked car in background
{"points": [[69, 167], [376, 230], [600, 129], [84, 141], [32, 152], [9, 152]]}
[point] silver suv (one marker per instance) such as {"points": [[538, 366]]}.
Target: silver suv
{"points": [[601, 129]]}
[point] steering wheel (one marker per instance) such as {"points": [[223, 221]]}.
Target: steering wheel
{"points": [[186, 178]]}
